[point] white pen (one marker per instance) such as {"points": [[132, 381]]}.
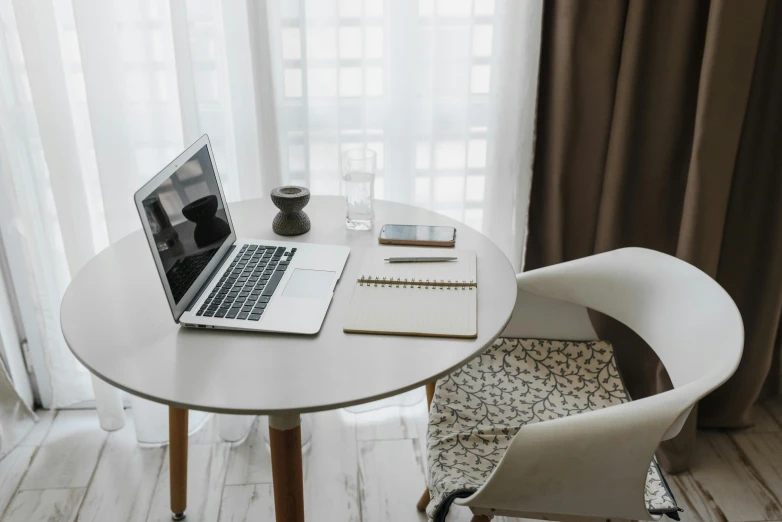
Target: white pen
{"points": [[419, 259]]}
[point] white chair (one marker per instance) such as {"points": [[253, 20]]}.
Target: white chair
{"points": [[596, 463]]}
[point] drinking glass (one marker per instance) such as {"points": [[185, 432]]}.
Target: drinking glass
{"points": [[358, 173]]}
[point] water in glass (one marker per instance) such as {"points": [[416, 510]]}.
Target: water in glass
{"points": [[358, 173], [359, 192]]}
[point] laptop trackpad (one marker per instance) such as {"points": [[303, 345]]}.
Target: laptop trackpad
{"points": [[314, 284]]}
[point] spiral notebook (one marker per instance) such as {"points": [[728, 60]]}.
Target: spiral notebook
{"points": [[427, 299]]}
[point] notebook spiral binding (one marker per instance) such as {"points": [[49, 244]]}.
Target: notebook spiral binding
{"points": [[439, 284]]}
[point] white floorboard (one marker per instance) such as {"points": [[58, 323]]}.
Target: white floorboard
{"points": [[331, 469], [50, 505], [720, 469], [69, 453], [12, 470], [206, 467], [250, 461], [391, 481], [41, 428], [248, 503], [366, 467], [124, 482]]}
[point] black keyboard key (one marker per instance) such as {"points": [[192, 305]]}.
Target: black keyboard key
{"points": [[200, 312], [265, 299], [208, 314], [242, 315], [279, 251], [247, 309], [220, 313], [271, 286], [232, 314], [254, 317]]}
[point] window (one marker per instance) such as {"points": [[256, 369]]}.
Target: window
{"points": [[358, 72]]}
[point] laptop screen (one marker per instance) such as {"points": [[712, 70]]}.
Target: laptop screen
{"points": [[186, 215]]}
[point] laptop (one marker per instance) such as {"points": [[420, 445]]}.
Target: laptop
{"points": [[211, 278]]}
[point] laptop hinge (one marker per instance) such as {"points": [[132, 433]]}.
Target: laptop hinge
{"points": [[206, 284]]}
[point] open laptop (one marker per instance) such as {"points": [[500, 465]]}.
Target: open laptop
{"points": [[214, 280]]}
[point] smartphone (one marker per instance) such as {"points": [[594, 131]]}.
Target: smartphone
{"points": [[417, 235]]}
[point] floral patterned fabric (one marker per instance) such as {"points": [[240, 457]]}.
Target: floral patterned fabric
{"points": [[478, 409]]}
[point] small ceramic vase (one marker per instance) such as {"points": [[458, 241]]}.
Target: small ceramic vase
{"points": [[291, 220]]}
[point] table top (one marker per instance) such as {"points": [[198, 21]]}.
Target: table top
{"points": [[116, 321]]}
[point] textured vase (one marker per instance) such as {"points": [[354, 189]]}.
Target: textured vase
{"points": [[291, 219]]}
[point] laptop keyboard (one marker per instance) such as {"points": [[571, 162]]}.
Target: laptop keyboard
{"points": [[248, 283], [186, 271]]}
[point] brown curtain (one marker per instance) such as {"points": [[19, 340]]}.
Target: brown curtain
{"points": [[660, 125]]}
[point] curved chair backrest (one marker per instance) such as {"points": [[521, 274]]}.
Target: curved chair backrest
{"points": [[599, 459], [688, 319]]}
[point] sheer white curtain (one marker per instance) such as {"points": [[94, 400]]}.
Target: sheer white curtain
{"points": [[96, 97]]}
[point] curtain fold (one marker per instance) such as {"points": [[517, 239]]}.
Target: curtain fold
{"points": [[658, 126]]}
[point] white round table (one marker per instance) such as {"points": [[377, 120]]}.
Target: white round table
{"points": [[116, 320]]}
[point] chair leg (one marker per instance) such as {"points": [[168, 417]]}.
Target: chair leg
{"points": [[425, 498], [423, 501], [429, 393]]}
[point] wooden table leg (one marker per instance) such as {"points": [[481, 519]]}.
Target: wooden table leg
{"points": [[177, 451], [287, 473], [425, 498]]}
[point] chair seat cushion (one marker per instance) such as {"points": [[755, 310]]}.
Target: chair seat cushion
{"points": [[477, 410]]}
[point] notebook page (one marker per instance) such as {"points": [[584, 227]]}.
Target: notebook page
{"points": [[462, 270], [413, 310]]}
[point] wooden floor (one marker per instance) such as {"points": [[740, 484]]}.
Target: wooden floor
{"points": [[367, 467]]}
